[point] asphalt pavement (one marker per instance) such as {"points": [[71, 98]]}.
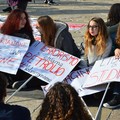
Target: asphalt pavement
{"points": [[72, 11]]}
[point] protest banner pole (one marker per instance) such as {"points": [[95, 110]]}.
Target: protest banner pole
{"points": [[19, 88], [98, 114], [87, 109]]}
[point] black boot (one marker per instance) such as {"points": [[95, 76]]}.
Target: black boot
{"points": [[45, 1], [8, 9], [50, 2]]}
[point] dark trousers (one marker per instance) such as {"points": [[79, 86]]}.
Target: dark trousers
{"points": [[49, 0], [22, 4], [116, 89]]}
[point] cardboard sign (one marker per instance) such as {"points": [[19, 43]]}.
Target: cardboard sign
{"points": [[104, 71], [47, 63], [77, 79], [12, 50]]}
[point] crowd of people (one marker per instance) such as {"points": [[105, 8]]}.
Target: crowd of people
{"points": [[101, 40]]}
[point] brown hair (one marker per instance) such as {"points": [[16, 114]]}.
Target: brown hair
{"points": [[101, 38], [114, 14], [11, 24], [118, 37], [49, 30]]}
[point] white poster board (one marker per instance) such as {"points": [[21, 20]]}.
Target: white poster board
{"points": [[47, 63], [12, 50], [77, 79], [104, 71]]}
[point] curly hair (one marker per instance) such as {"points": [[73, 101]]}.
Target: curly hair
{"points": [[63, 103], [113, 15], [118, 37], [49, 30], [101, 38]]}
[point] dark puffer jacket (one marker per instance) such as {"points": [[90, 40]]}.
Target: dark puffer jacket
{"points": [[64, 40]]}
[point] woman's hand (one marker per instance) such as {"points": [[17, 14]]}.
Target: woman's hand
{"points": [[117, 53]]}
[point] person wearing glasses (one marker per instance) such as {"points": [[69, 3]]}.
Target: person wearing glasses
{"points": [[97, 42]]}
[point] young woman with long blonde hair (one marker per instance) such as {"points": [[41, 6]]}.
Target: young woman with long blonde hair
{"points": [[97, 43]]}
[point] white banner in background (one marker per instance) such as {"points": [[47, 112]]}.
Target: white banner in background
{"points": [[47, 63], [12, 50], [104, 71]]}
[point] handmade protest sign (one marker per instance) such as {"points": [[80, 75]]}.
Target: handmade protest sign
{"points": [[48, 63], [104, 71], [12, 50], [77, 79], [36, 33]]}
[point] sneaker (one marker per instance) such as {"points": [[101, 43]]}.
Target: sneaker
{"points": [[51, 3], [8, 9], [114, 103], [45, 1], [17, 84]]}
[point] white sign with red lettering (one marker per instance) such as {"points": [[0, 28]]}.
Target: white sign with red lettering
{"points": [[77, 79], [47, 63], [12, 50], [104, 71]]}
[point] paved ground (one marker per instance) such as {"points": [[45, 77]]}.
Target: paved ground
{"points": [[75, 11]]}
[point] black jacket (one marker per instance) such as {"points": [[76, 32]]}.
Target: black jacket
{"points": [[64, 40], [13, 112]]}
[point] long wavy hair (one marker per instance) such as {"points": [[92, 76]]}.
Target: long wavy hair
{"points": [[49, 30], [114, 14], [63, 103], [12, 22], [100, 39], [118, 36]]}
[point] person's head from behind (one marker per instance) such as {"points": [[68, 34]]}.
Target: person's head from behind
{"points": [[63, 103], [96, 34], [3, 85], [16, 20], [47, 28], [114, 14]]}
